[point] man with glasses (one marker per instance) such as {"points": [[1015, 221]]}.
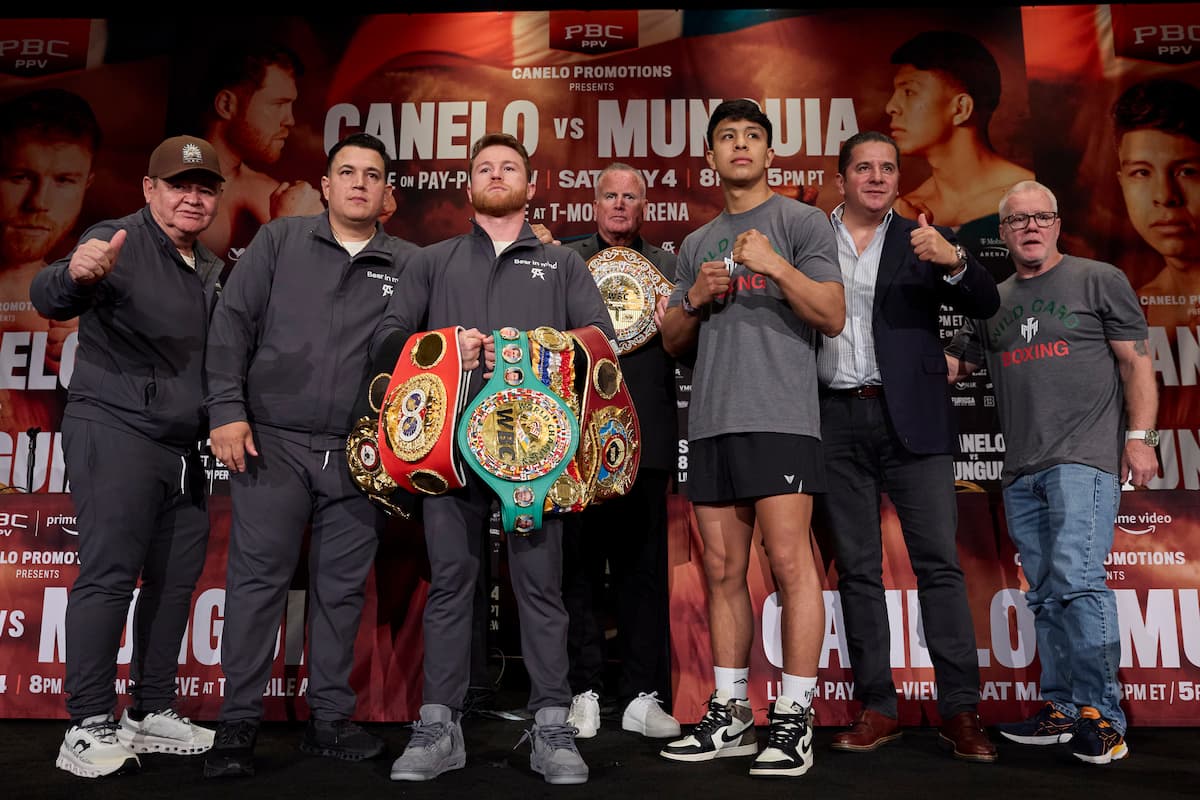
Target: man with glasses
{"points": [[1069, 356]]}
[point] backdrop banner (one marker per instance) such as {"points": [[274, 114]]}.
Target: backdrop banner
{"points": [[1071, 95]]}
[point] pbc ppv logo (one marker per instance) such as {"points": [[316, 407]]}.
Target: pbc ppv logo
{"points": [[1164, 33], [593, 32], [11, 522], [43, 46]]}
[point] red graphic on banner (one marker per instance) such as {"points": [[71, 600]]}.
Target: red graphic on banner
{"points": [[593, 31], [1166, 33], [43, 46]]}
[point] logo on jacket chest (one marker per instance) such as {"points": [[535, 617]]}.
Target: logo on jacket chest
{"points": [[537, 269], [387, 283]]}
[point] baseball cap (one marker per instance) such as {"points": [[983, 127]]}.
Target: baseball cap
{"points": [[181, 154]]}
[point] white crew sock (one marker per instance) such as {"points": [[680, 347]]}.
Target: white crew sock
{"points": [[735, 681]]}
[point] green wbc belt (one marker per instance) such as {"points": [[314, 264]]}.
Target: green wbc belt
{"points": [[517, 434]]}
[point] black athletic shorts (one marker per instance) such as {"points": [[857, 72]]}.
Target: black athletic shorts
{"points": [[745, 466]]}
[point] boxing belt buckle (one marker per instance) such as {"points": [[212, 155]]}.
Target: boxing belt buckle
{"points": [[518, 434], [608, 421], [420, 413], [630, 285], [368, 474]]}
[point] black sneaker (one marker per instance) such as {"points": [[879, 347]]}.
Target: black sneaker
{"points": [[1096, 741], [232, 753], [341, 739], [789, 751], [1047, 726], [726, 729]]}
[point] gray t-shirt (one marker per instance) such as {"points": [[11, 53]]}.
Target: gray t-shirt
{"points": [[1057, 380], [756, 360]]}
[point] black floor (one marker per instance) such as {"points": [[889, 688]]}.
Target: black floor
{"points": [[1163, 763]]}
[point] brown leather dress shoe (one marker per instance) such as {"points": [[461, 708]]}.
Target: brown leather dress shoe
{"points": [[963, 733], [869, 730]]}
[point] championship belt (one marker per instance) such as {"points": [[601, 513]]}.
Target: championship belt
{"points": [[609, 420], [420, 413], [368, 474], [630, 286], [364, 453], [519, 433]]}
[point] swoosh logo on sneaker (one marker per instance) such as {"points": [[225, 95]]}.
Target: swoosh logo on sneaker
{"points": [[726, 738]]}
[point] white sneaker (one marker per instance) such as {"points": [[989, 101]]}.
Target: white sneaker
{"points": [[585, 714], [164, 732], [645, 715], [92, 750]]}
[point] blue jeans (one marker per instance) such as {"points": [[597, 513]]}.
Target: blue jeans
{"points": [[1061, 520]]}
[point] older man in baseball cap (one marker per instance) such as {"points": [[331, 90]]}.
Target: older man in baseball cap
{"points": [[142, 286]]}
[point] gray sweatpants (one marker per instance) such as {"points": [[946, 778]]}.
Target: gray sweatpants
{"points": [[141, 512], [454, 536], [287, 487]]}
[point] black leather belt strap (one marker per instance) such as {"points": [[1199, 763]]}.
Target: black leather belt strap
{"points": [[868, 392]]}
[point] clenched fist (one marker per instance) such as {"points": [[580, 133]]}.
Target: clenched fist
{"points": [[297, 199]]}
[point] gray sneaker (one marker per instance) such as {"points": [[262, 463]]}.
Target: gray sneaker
{"points": [[554, 755], [436, 746]]}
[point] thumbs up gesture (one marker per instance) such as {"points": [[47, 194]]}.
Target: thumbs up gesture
{"points": [[95, 258], [929, 245]]}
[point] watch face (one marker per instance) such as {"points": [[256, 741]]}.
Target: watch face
{"points": [[1152, 438]]}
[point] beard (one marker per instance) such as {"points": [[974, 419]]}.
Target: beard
{"points": [[18, 247], [497, 204]]}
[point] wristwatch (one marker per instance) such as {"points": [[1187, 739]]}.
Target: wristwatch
{"points": [[1150, 436], [688, 308], [960, 253]]}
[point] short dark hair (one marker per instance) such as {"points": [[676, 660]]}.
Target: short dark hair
{"points": [[961, 57], [1161, 104], [50, 115], [363, 140], [245, 65], [847, 150], [742, 109], [504, 140]]}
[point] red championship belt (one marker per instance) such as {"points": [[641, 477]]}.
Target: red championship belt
{"points": [[420, 412], [609, 416], [609, 436]]}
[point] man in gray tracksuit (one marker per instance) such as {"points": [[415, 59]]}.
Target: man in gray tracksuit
{"points": [[142, 287], [497, 275], [286, 358]]}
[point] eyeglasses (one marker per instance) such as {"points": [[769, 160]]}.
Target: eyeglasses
{"points": [[1019, 222]]}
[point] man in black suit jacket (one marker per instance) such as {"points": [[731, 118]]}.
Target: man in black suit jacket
{"points": [[629, 533], [887, 425]]}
